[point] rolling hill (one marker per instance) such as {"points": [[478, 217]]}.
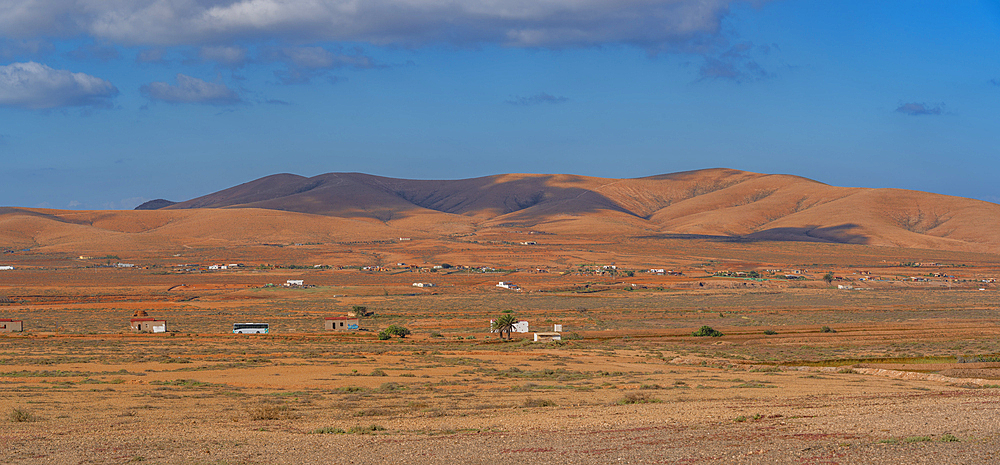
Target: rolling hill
{"points": [[715, 203]]}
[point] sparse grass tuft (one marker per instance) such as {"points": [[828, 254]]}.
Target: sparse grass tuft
{"points": [[770, 332], [328, 430], [637, 398], [948, 437], [271, 411], [20, 415], [530, 402], [365, 429]]}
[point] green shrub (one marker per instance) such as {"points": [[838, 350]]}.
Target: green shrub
{"points": [[948, 437], [393, 330], [826, 329], [378, 372], [706, 331], [770, 332]]}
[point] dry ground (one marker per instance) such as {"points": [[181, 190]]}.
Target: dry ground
{"points": [[634, 387]]}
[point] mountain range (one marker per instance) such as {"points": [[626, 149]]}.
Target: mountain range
{"points": [[722, 204], [712, 202]]}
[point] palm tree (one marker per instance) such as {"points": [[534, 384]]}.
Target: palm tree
{"points": [[504, 324]]}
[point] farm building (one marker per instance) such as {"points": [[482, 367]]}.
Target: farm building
{"points": [[519, 327], [8, 325], [6, 267], [341, 323], [150, 325], [423, 284], [548, 337], [295, 282]]}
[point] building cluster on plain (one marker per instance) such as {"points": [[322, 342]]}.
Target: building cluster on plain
{"points": [[423, 284], [228, 266], [507, 285]]}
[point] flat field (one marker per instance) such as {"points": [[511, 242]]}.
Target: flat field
{"points": [[902, 365]]}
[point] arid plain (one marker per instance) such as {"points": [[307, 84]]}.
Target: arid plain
{"points": [[881, 345]]}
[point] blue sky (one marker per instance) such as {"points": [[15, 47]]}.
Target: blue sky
{"points": [[105, 104]]}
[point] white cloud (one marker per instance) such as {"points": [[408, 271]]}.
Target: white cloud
{"points": [[191, 90], [36, 86], [652, 24], [306, 63], [233, 57]]}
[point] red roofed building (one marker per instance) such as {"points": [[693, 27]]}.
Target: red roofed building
{"points": [[10, 326]]}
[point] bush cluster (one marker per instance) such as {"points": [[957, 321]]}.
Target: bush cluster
{"points": [[393, 330], [706, 331]]}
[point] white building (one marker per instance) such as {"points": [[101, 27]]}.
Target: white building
{"points": [[295, 282], [519, 327], [548, 337], [423, 284], [507, 285], [6, 267]]}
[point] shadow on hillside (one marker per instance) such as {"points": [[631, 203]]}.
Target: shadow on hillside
{"points": [[21, 211], [502, 197], [840, 234]]}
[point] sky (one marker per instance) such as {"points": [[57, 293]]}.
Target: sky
{"points": [[105, 104]]}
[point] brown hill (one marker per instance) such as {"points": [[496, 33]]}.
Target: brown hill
{"points": [[719, 203], [714, 202]]}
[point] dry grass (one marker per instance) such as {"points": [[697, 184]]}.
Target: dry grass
{"points": [[270, 410], [20, 415]]}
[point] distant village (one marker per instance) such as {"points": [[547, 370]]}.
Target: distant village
{"points": [[867, 279]]}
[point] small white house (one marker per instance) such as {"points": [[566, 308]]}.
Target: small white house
{"points": [[125, 265], [423, 284], [557, 328], [218, 267], [295, 282], [6, 267], [507, 285]]}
